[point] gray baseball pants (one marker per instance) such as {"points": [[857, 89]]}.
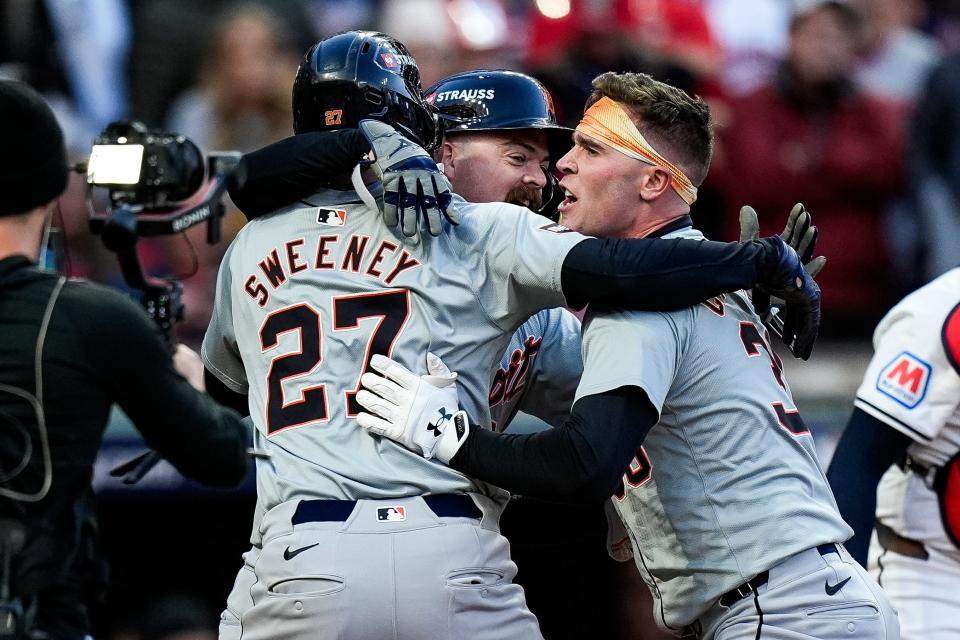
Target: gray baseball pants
{"points": [[810, 595], [401, 569]]}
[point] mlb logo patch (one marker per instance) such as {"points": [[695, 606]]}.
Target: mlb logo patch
{"points": [[391, 514], [905, 379], [389, 60], [555, 227], [331, 217]]}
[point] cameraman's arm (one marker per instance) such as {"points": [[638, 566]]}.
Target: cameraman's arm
{"points": [[203, 440], [295, 167]]}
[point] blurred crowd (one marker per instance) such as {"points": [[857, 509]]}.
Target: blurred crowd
{"points": [[848, 106], [844, 105]]}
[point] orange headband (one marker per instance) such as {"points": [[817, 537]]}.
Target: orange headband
{"points": [[607, 121]]}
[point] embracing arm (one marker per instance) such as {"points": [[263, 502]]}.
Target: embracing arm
{"points": [[582, 460], [866, 450], [661, 275], [294, 168], [652, 274]]}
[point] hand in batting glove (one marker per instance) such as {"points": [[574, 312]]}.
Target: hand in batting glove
{"points": [[788, 273], [799, 233], [420, 412], [414, 187]]}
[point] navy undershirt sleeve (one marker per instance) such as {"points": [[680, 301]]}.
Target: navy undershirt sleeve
{"points": [[582, 460], [866, 450], [294, 168], [657, 274]]}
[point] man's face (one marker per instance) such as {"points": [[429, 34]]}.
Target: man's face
{"points": [[498, 166], [821, 49], [602, 187]]}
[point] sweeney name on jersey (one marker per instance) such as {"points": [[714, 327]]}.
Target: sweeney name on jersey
{"points": [[350, 254]]}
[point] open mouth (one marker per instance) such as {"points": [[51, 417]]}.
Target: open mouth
{"points": [[568, 200]]}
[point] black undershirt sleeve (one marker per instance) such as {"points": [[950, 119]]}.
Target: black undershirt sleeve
{"points": [[866, 450], [294, 168], [657, 274], [203, 440], [582, 460]]}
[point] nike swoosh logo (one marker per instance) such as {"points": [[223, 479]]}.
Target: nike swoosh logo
{"points": [[831, 590], [289, 555]]}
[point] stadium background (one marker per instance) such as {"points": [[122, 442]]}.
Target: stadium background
{"points": [[866, 143]]}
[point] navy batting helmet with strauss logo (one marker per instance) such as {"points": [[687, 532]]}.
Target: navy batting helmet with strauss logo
{"points": [[362, 74], [497, 99]]}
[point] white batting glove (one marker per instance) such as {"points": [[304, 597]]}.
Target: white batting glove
{"points": [[420, 412]]}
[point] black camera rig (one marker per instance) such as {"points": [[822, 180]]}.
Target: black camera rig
{"points": [[155, 182], [157, 187]]}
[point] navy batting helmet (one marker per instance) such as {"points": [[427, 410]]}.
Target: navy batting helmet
{"points": [[355, 75], [497, 99]]}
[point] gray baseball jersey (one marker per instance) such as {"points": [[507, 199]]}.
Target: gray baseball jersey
{"points": [[727, 484], [306, 296], [539, 371]]}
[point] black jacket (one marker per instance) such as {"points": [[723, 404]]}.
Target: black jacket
{"points": [[99, 349]]}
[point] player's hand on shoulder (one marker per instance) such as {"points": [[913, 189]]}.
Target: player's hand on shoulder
{"points": [[415, 191], [420, 412], [787, 273]]}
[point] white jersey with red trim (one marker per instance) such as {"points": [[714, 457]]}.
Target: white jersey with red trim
{"points": [[306, 296], [913, 386]]}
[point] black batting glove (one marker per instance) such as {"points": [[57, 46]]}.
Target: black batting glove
{"points": [[781, 274]]}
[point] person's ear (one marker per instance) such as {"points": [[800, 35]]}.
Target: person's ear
{"points": [[448, 158], [653, 183]]}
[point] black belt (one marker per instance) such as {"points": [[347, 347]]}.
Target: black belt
{"points": [[443, 505], [750, 586], [906, 463]]}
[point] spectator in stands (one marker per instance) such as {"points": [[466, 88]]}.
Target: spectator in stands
{"points": [[242, 101], [812, 133], [895, 56]]}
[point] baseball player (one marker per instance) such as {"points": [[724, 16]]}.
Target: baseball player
{"points": [[904, 435], [732, 522], [514, 128], [508, 133]]}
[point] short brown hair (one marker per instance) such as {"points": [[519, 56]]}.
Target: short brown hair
{"points": [[677, 125]]}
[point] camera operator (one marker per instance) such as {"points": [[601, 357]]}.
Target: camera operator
{"points": [[69, 350]]}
